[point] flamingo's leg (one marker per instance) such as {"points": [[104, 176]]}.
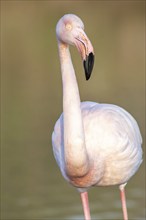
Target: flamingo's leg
{"points": [[85, 204], [123, 200]]}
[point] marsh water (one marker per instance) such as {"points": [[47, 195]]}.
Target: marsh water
{"points": [[31, 94]]}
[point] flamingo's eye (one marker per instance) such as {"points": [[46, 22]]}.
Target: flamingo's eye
{"points": [[68, 27]]}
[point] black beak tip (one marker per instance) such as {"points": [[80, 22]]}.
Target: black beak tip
{"points": [[88, 65]]}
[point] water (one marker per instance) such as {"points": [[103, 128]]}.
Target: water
{"points": [[32, 186]]}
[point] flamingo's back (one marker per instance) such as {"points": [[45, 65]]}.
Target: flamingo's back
{"points": [[113, 143]]}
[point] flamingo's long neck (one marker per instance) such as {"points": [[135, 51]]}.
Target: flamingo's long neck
{"points": [[75, 154]]}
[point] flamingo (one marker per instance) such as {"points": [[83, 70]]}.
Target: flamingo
{"points": [[93, 144]]}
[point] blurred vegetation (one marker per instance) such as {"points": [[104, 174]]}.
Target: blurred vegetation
{"points": [[31, 95]]}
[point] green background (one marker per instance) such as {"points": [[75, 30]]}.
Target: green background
{"points": [[31, 101]]}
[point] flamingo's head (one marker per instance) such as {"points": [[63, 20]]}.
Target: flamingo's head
{"points": [[70, 30]]}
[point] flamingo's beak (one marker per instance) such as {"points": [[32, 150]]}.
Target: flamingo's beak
{"points": [[88, 65], [85, 48]]}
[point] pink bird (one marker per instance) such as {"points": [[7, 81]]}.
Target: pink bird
{"points": [[94, 144]]}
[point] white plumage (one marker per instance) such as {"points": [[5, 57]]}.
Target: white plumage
{"points": [[113, 143], [94, 144]]}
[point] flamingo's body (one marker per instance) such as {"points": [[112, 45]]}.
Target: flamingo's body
{"points": [[93, 144], [112, 141]]}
